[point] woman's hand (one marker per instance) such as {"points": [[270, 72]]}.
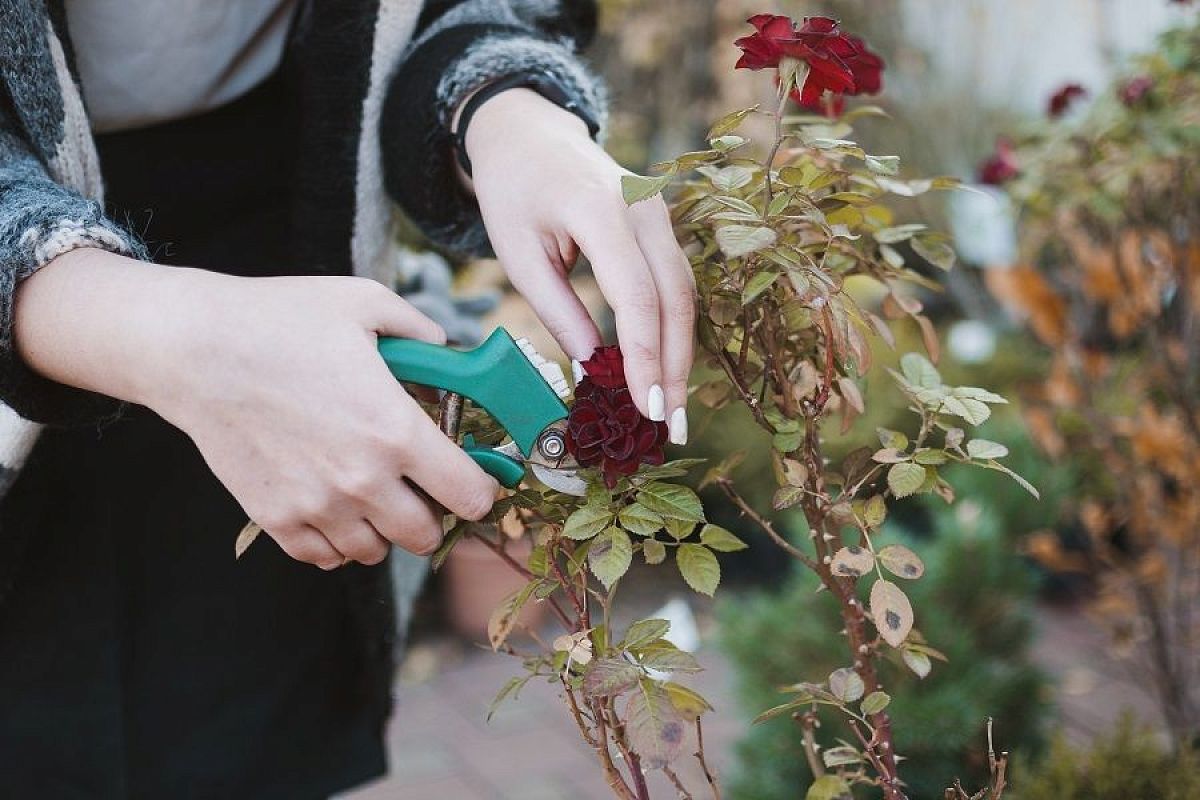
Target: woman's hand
{"points": [[547, 191], [279, 384]]}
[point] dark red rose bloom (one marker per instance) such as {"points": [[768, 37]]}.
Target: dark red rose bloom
{"points": [[1135, 90], [838, 63], [775, 39], [604, 428], [1001, 166], [1063, 99], [606, 367]]}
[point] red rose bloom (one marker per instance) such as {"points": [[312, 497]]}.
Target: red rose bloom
{"points": [[604, 428], [1063, 99], [1135, 90], [838, 63], [1001, 166]]}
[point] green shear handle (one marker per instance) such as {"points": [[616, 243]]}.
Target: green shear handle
{"points": [[496, 376]]}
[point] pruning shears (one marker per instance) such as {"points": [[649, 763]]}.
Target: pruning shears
{"points": [[519, 388]]}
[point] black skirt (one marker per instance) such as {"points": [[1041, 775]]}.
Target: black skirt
{"points": [[138, 659]]}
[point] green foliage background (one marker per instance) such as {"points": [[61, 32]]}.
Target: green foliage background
{"points": [[975, 604]]}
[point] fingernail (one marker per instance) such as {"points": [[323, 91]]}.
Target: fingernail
{"points": [[678, 426], [656, 404], [576, 371]]}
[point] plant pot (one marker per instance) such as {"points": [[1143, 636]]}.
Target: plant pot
{"points": [[475, 580]]}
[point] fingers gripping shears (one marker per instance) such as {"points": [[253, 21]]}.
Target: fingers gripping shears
{"points": [[519, 388]]}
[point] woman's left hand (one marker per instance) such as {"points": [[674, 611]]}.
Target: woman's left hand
{"points": [[547, 192]]}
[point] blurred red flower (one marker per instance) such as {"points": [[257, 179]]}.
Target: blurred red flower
{"points": [[838, 62], [1135, 89], [1001, 166], [604, 427], [1063, 99]]}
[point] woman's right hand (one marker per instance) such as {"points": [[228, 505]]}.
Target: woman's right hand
{"points": [[279, 384]]}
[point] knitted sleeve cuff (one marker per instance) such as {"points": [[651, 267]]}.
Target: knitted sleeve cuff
{"points": [[55, 223], [431, 83]]}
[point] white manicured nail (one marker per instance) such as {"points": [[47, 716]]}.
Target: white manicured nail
{"points": [[576, 371], [678, 426], [656, 404]]}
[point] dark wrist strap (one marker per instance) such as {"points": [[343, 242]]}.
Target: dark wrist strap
{"points": [[544, 84]]}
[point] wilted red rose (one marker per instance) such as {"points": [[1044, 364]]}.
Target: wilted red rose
{"points": [[1001, 166], [1135, 89], [604, 428], [1063, 99]]}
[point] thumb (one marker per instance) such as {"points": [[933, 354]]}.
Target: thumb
{"points": [[391, 315]]}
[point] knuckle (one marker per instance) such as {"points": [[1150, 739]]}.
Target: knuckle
{"points": [[359, 484], [681, 310], [426, 544], [476, 505]]}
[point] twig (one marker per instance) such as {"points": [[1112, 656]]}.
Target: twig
{"points": [[684, 794], [765, 524], [498, 549], [709, 775], [808, 723]]}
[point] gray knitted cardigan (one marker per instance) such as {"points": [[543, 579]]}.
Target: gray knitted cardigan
{"points": [[354, 61]]}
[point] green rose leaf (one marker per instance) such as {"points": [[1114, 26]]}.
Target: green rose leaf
{"points": [[671, 501], [644, 631], [717, 538], [828, 787], [610, 556], [904, 479], [935, 251], [687, 702], [699, 567], [636, 518], [875, 702], [736, 241], [587, 522], [636, 188], [654, 551], [917, 661], [757, 285], [666, 657], [982, 448]]}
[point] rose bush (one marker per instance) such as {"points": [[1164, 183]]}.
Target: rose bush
{"points": [[773, 241]]}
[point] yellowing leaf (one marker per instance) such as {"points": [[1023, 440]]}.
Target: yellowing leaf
{"points": [[852, 562], [891, 611], [902, 562], [608, 677], [699, 567], [686, 701], [505, 615], [656, 729], [846, 685]]}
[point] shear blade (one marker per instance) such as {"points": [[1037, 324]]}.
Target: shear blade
{"points": [[560, 481]]}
